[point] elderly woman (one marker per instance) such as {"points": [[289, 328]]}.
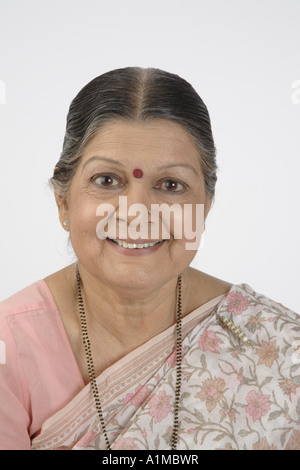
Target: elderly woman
{"points": [[129, 347]]}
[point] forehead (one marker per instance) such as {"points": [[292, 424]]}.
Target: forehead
{"points": [[160, 138]]}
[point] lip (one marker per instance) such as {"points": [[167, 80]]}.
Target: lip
{"points": [[135, 251], [136, 240]]}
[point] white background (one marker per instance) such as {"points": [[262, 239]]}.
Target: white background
{"points": [[242, 56]]}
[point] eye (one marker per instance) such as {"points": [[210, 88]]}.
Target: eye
{"points": [[107, 180], [171, 186]]}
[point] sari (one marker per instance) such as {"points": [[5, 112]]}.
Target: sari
{"points": [[233, 396]]}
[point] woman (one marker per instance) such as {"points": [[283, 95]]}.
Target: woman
{"points": [[129, 347]]}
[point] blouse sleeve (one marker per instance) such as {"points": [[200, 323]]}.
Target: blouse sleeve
{"points": [[14, 396]]}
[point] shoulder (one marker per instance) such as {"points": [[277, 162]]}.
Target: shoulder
{"points": [[272, 328], [22, 327], [33, 298], [200, 288], [245, 302]]}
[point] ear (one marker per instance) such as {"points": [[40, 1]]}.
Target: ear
{"points": [[62, 205]]}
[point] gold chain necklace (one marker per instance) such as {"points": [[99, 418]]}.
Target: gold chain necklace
{"points": [[91, 368]]}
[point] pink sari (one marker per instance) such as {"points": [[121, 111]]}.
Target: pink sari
{"points": [[232, 396]]}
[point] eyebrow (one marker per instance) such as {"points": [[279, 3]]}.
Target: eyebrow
{"points": [[185, 165], [109, 160], [169, 165]]}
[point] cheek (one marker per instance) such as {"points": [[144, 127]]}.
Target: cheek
{"points": [[186, 222], [83, 220], [186, 228]]}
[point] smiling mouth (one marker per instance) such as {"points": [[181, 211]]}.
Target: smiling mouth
{"points": [[133, 246]]}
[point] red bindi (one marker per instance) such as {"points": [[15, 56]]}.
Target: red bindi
{"points": [[137, 173]]}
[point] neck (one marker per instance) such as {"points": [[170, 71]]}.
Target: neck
{"points": [[128, 315]]}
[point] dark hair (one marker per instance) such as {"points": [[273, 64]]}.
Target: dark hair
{"points": [[138, 94]]}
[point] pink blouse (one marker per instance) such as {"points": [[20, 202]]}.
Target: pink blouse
{"points": [[38, 371]]}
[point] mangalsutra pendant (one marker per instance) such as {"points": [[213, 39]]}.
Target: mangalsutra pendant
{"points": [[236, 331]]}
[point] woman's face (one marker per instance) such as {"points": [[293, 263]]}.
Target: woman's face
{"points": [[171, 174]]}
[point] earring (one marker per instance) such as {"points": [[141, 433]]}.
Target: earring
{"points": [[65, 222]]}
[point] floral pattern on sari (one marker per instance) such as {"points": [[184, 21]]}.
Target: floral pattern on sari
{"points": [[232, 396]]}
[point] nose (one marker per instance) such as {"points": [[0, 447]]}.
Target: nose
{"points": [[136, 198], [133, 212]]}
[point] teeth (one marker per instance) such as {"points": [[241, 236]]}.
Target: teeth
{"points": [[135, 245]]}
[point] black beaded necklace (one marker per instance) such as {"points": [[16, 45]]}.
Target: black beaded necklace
{"points": [[91, 369]]}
